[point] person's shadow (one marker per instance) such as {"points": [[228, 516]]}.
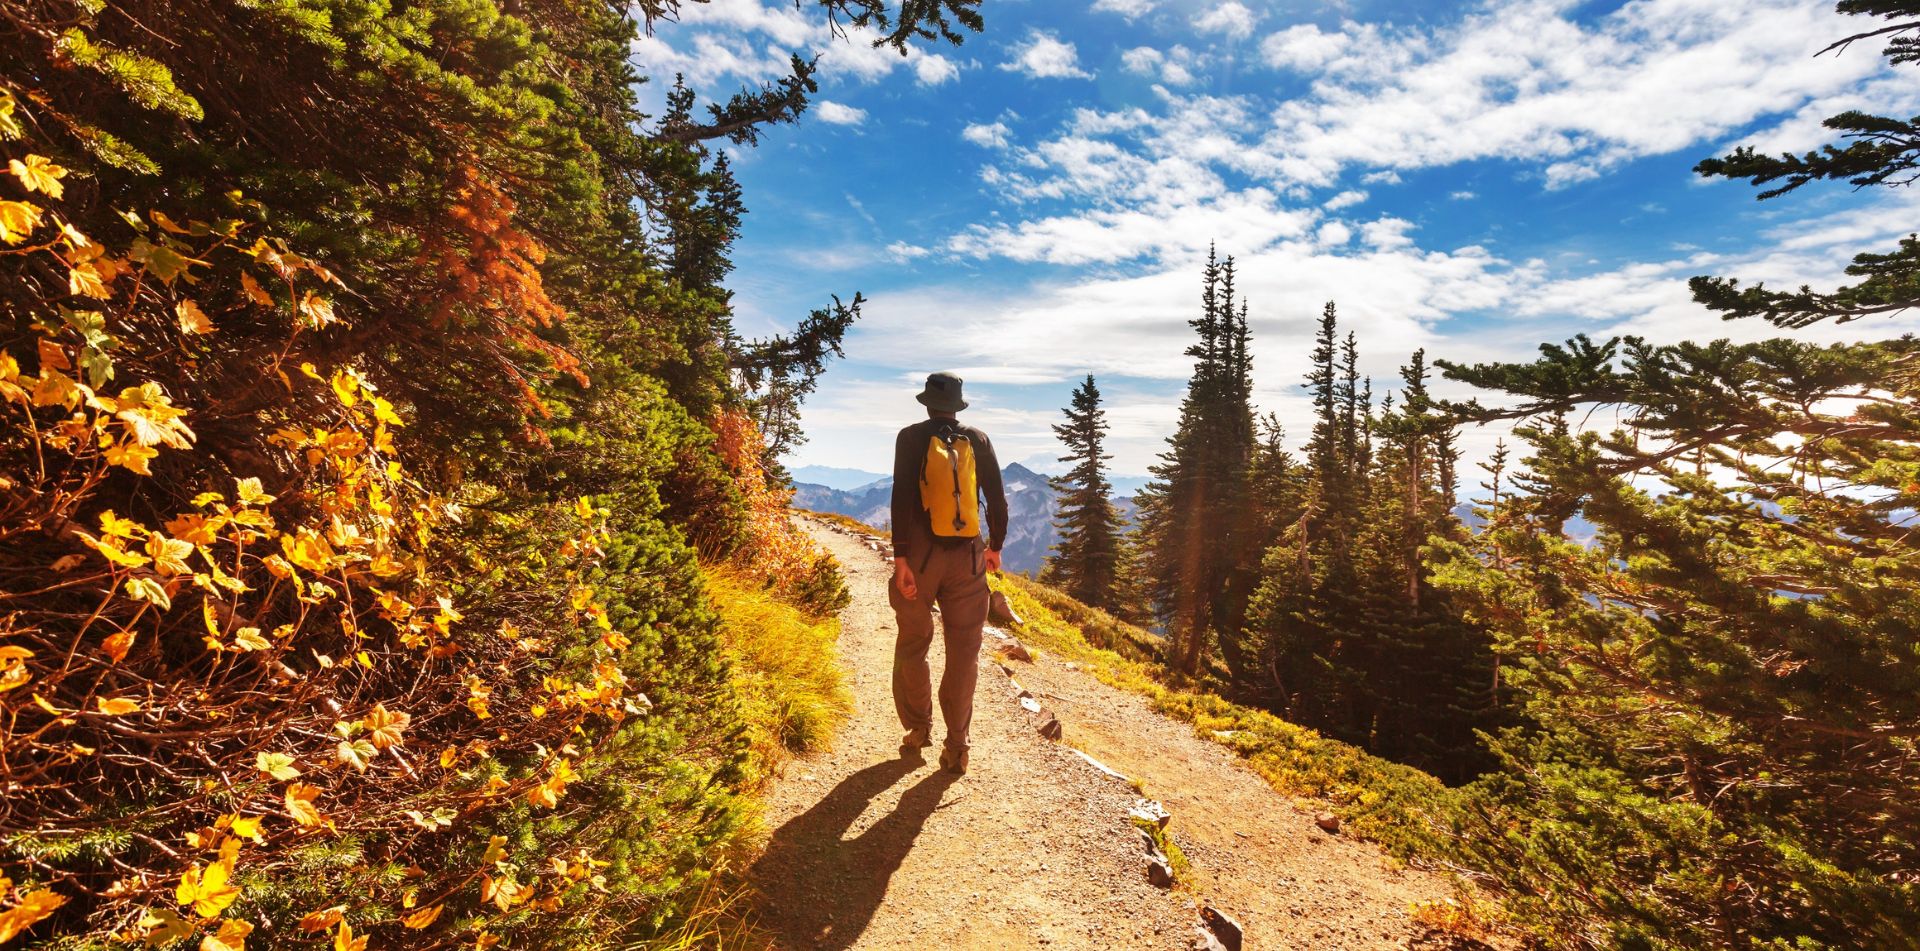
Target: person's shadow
{"points": [[819, 889]]}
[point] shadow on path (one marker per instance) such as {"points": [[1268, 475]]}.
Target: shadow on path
{"points": [[819, 889]]}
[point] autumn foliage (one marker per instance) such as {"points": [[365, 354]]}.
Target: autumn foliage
{"points": [[355, 431], [771, 547]]}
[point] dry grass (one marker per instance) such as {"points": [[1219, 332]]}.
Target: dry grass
{"points": [[785, 669]]}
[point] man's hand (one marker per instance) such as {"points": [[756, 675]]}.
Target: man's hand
{"points": [[993, 560], [903, 579]]}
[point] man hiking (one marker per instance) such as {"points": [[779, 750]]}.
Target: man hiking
{"points": [[940, 469]]}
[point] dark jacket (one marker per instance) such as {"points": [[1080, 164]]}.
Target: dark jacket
{"points": [[912, 530]]}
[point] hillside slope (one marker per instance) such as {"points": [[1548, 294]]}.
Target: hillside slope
{"points": [[1033, 846]]}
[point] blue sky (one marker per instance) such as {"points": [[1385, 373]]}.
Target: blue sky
{"points": [[1472, 178]]}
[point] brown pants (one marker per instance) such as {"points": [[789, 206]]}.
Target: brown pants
{"points": [[955, 577]]}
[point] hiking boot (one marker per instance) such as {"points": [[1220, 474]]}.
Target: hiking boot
{"points": [[954, 762], [918, 739]]}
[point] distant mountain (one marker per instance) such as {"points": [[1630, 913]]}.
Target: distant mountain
{"points": [[834, 477]]}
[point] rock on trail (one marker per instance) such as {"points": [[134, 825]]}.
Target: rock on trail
{"points": [[1033, 847]]}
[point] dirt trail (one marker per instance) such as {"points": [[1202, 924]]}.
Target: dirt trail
{"points": [[1032, 848]]}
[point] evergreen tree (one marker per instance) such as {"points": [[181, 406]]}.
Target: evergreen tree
{"points": [[1088, 560], [1722, 686], [1348, 633], [1192, 526]]}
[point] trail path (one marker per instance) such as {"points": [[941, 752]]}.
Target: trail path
{"points": [[1032, 848]]}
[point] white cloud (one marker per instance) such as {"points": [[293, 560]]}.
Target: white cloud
{"points": [[839, 113], [1126, 8], [1462, 195], [990, 135], [1527, 81], [718, 43], [1302, 47], [1142, 60], [1230, 18], [902, 251], [1045, 56], [1382, 177], [1387, 233], [1174, 67], [932, 69], [1346, 198], [1334, 233]]}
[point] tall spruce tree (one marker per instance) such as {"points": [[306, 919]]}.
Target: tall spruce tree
{"points": [[1191, 515], [1089, 557]]}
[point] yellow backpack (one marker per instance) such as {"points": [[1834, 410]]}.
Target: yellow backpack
{"points": [[949, 490]]}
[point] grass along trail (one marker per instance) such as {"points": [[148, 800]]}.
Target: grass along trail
{"points": [[1033, 847]]}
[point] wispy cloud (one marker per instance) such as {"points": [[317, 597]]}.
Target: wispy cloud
{"points": [[1126, 8]]}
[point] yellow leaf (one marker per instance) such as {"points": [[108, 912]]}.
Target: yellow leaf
{"points": [[343, 940], [496, 849], [85, 280], [117, 645], [17, 221], [584, 509], [208, 889], [56, 388], [423, 917], [308, 550], [193, 320], [384, 728], [247, 828], [250, 493], [163, 926], [356, 753], [169, 554], [13, 668], [346, 386], [147, 589], [277, 765], [249, 639], [39, 174], [300, 804], [232, 936], [151, 417], [116, 706], [31, 910], [323, 919], [131, 456]]}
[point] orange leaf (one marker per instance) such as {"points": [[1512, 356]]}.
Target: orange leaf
{"points": [[423, 917], [323, 919], [116, 706], [31, 910]]}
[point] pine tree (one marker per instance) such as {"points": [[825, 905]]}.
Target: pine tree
{"points": [[1088, 560]]}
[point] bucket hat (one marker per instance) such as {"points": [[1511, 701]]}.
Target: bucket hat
{"points": [[942, 393]]}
